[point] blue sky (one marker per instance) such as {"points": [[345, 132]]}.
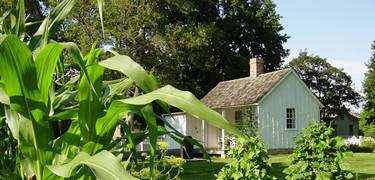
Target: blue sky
{"points": [[341, 31]]}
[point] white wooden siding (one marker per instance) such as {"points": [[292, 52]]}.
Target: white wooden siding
{"points": [[179, 123], [271, 113]]}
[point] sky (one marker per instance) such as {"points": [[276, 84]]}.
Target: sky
{"points": [[341, 31]]}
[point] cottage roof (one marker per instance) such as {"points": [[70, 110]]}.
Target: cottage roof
{"points": [[243, 91]]}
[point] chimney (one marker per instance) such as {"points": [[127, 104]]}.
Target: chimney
{"points": [[256, 67]]}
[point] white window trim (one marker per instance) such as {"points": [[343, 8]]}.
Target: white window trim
{"points": [[295, 119]]}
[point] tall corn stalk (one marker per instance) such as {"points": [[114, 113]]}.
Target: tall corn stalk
{"points": [[32, 100]]}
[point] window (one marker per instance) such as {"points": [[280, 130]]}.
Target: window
{"points": [[290, 118]]}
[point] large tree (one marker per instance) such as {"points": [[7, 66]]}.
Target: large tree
{"points": [[187, 43], [331, 85], [368, 113]]}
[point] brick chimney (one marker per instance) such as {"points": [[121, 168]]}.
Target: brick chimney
{"points": [[256, 67]]}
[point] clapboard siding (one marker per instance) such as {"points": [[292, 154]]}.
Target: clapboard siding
{"points": [[271, 113], [179, 123]]}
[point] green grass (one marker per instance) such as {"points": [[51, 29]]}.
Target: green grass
{"points": [[362, 165]]}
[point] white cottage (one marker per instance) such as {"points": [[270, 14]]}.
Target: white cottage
{"points": [[280, 102]]}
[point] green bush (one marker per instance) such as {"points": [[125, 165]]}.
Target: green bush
{"points": [[319, 155], [250, 161], [357, 148], [167, 167], [368, 143]]}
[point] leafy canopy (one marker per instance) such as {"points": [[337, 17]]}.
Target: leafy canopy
{"points": [[331, 85], [182, 41], [368, 114]]}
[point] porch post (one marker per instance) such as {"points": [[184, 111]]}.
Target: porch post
{"points": [[223, 113], [203, 134]]}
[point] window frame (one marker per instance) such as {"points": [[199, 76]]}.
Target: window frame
{"points": [[293, 118]]}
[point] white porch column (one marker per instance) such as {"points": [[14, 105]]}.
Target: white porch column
{"points": [[203, 134], [223, 113]]}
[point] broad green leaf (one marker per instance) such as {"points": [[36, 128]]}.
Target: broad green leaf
{"points": [[76, 54], [64, 98], [129, 136], [150, 118], [324, 175], [20, 27], [131, 69], [120, 87], [45, 63], [12, 120], [104, 165], [187, 102], [66, 145], [66, 114], [19, 75], [105, 126], [134, 71], [90, 107], [3, 97]]}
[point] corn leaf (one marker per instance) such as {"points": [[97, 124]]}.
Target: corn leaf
{"points": [[150, 118], [100, 7], [131, 69], [12, 120], [45, 63], [90, 107], [51, 24], [104, 165], [187, 102], [76, 54], [19, 76]]}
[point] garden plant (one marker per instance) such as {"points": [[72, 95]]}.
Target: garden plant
{"points": [[250, 161], [35, 94], [319, 155]]}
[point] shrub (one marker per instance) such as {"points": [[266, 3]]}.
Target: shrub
{"points": [[357, 148], [250, 161], [369, 143], [167, 167], [318, 155]]}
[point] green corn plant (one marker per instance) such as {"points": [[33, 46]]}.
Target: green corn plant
{"points": [[31, 103]]}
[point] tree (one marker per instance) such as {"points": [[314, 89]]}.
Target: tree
{"points": [[190, 44], [368, 113], [331, 85]]}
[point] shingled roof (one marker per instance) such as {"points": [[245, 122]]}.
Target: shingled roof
{"points": [[243, 91]]}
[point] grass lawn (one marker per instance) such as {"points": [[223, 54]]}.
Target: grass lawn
{"points": [[362, 164]]}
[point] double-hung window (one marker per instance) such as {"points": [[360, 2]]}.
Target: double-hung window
{"points": [[290, 118]]}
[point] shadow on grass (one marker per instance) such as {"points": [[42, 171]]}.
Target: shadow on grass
{"points": [[363, 175], [201, 170], [277, 170]]}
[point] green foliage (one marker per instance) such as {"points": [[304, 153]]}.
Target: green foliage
{"points": [[8, 148], [358, 148], [368, 113], [368, 142], [250, 161], [319, 155], [331, 85], [368, 129], [180, 41], [33, 101], [166, 167]]}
